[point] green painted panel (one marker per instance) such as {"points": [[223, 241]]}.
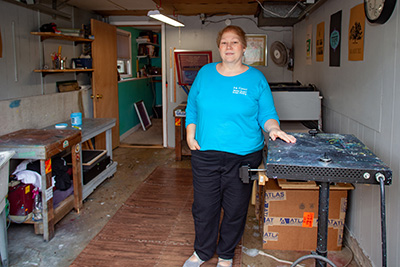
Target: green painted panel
{"points": [[128, 93]]}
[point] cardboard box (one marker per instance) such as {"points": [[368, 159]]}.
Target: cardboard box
{"points": [[67, 86], [288, 213]]}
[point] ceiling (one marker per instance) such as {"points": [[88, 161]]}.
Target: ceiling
{"points": [[179, 7], [268, 12], [169, 7]]}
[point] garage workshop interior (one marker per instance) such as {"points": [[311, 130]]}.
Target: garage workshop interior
{"points": [[95, 169]]}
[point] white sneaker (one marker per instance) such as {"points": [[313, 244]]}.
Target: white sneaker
{"points": [[224, 262], [193, 261]]}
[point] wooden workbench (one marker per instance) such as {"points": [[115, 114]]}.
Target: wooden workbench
{"points": [[42, 144], [91, 127]]}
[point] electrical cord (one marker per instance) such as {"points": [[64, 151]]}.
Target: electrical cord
{"points": [[381, 180], [311, 256], [351, 259], [254, 252], [7, 211]]}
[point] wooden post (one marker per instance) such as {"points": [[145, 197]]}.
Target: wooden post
{"points": [[76, 173], [178, 138], [47, 199]]}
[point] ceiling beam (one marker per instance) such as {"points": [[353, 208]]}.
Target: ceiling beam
{"points": [[42, 8], [106, 13], [194, 8]]}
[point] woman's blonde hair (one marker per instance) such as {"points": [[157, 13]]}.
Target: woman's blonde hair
{"points": [[236, 29]]}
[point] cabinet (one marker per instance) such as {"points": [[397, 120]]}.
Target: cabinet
{"points": [[49, 35]]}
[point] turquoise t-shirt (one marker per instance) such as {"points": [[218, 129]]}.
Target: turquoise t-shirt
{"points": [[229, 112]]}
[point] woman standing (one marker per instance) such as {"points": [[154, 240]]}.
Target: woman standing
{"points": [[228, 106]]}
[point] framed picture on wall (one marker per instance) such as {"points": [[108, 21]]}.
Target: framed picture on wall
{"points": [[256, 51], [188, 64]]}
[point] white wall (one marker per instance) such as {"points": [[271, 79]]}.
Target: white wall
{"points": [[361, 98], [37, 112], [198, 36], [28, 100]]}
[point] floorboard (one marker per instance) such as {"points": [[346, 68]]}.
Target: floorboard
{"points": [[146, 231]]}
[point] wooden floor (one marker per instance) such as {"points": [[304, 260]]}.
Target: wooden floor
{"points": [[154, 227]]}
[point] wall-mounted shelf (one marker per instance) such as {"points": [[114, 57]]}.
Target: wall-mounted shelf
{"points": [[147, 43], [146, 56], [140, 78], [50, 35], [53, 71], [143, 51]]}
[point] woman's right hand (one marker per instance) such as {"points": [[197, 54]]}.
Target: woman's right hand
{"points": [[192, 144], [190, 134]]}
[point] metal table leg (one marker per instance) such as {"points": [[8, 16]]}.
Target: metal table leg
{"points": [[323, 214]]}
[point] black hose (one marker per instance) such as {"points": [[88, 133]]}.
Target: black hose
{"points": [[383, 221], [311, 256]]}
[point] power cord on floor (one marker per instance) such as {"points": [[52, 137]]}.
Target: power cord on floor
{"points": [[254, 252], [351, 259], [312, 256]]}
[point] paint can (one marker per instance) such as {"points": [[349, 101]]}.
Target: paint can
{"points": [[76, 119]]}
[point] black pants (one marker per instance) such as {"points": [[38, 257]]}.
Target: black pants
{"points": [[217, 185]]}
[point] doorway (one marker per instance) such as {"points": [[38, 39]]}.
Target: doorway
{"points": [[154, 83]]}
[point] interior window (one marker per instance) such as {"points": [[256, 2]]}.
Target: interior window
{"points": [[124, 58]]}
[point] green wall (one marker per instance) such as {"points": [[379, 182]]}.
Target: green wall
{"points": [[128, 93], [132, 91]]}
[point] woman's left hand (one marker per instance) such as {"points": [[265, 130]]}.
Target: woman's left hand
{"points": [[278, 133]]}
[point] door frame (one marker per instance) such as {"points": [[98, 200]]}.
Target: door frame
{"points": [[133, 24]]}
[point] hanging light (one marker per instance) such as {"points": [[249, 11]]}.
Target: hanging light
{"points": [[155, 14]]}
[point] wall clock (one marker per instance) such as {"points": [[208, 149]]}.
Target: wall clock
{"points": [[379, 11]]}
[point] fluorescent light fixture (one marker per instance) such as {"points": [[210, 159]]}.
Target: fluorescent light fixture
{"points": [[155, 14]]}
